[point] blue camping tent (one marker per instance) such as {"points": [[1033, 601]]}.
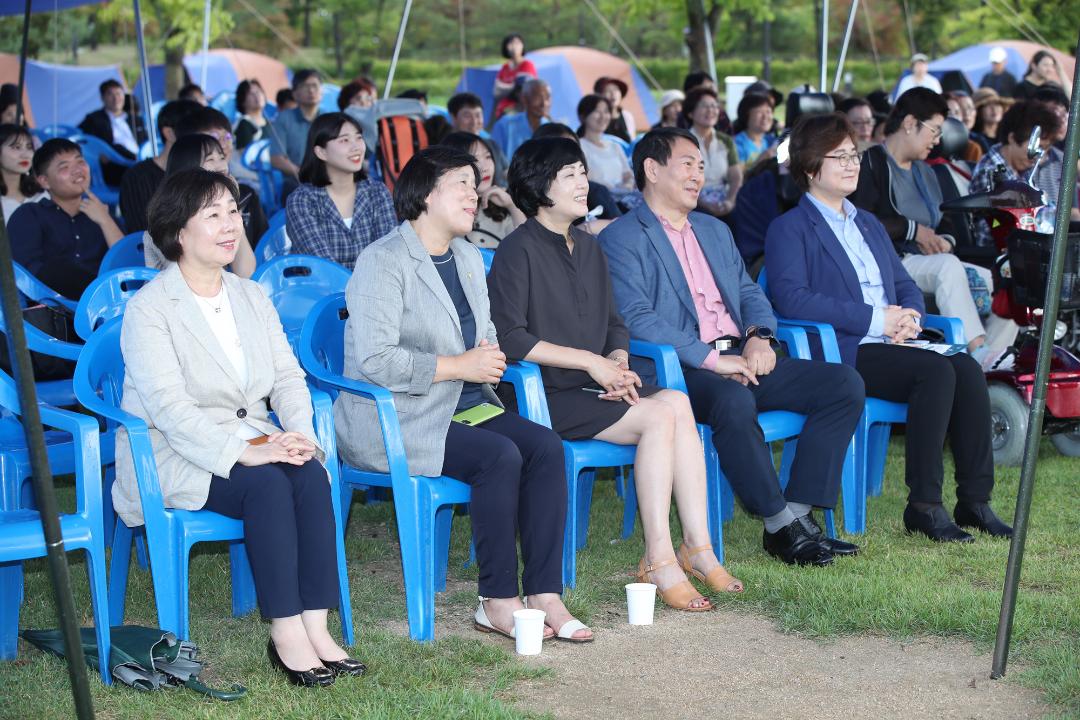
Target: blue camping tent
{"points": [[64, 94], [570, 71]]}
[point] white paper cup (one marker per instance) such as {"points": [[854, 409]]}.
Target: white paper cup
{"points": [[529, 631], [640, 602]]}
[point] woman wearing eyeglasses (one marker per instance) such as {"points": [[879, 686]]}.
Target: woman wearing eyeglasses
{"points": [[901, 190], [830, 262]]}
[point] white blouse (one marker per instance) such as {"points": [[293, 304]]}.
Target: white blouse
{"points": [[607, 164]]}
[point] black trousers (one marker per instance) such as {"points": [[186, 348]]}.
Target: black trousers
{"points": [[288, 531], [829, 394], [515, 470], [944, 395]]}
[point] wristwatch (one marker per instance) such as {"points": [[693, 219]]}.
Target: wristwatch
{"points": [[760, 331]]}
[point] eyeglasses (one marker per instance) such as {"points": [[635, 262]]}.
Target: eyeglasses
{"points": [[845, 160], [935, 131], [862, 123]]}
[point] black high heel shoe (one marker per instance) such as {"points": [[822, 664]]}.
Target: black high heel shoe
{"points": [[348, 666], [315, 677]]}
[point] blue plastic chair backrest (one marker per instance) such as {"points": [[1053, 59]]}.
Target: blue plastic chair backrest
{"points": [[763, 281], [48, 132], [127, 252], [225, 102], [272, 244], [99, 372], [33, 290], [146, 150], [281, 274], [488, 255], [620, 142], [93, 150], [107, 296], [276, 220], [257, 155], [325, 330]]}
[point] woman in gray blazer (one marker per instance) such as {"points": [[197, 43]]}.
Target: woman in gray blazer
{"points": [[419, 325], [206, 360]]}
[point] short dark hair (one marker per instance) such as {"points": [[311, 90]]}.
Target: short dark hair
{"points": [[535, 166], [352, 89], [189, 151], [854, 102], [1021, 119], [421, 174], [587, 106], [1052, 94], [110, 83], [188, 90], [243, 90], [173, 114], [303, 75], [553, 129], [413, 94], [813, 137], [696, 96], [466, 141], [695, 79], [749, 103], [657, 144], [1038, 58], [8, 135], [176, 201], [919, 102], [323, 129], [201, 119], [506, 44], [48, 152], [284, 95], [461, 101]]}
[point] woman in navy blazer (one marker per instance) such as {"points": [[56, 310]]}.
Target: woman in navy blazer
{"points": [[831, 263]]}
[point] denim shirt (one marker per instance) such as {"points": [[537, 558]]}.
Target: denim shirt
{"points": [[862, 260]]}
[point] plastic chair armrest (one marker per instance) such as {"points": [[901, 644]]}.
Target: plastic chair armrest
{"points": [[86, 439], [528, 387], [40, 341], [829, 347], [669, 372], [323, 420], [952, 327]]}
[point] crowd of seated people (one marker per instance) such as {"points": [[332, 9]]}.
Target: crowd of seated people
{"points": [[574, 277]]}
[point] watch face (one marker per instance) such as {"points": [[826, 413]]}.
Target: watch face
{"points": [[764, 333]]}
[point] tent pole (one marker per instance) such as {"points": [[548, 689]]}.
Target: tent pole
{"points": [[205, 43], [709, 52], [397, 48], [461, 34], [44, 491], [1038, 395], [824, 63], [144, 79], [844, 46], [22, 64]]}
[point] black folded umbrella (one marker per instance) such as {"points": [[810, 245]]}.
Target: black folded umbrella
{"points": [[141, 657]]}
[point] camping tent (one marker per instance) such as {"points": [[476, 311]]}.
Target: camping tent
{"points": [[571, 72], [58, 94], [974, 61], [225, 71]]}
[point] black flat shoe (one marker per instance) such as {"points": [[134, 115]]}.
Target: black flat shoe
{"points": [[836, 547], [981, 517], [348, 666], [935, 524], [794, 545], [315, 677]]}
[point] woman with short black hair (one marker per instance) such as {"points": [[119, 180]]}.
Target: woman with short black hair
{"points": [[17, 184], [723, 172], [419, 325], [337, 211], [206, 362], [552, 304], [511, 73]]}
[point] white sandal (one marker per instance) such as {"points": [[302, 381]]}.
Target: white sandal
{"points": [[481, 622], [571, 626]]}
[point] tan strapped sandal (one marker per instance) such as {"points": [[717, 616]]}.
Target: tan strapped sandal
{"points": [[719, 580], [679, 595]]}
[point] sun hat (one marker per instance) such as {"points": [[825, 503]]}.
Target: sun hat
{"points": [[601, 83], [988, 96], [671, 96], [919, 57]]}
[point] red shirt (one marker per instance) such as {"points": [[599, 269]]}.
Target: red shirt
{"points": [[508, 75]]}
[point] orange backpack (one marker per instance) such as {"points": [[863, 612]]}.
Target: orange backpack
{"points": [[400, 137]]}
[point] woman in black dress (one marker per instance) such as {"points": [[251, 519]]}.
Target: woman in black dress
{"points": [[551, 303]]}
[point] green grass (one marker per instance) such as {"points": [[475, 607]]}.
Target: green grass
{"points": [[900, 586]]}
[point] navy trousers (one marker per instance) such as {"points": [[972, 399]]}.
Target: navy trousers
{"points": [[288, 532], [515, 470], [829, 394]]}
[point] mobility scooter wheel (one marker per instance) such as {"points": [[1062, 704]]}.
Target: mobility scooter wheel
{"points": [[1068, 444], [1009, 420]]}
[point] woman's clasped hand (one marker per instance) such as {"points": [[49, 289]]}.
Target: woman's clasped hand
{"points": [[614, 375]]}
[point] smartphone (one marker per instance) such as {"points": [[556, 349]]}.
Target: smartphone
{"points": [[478, 415]]}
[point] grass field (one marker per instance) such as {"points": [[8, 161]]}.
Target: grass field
{"points": [[900, 586]]}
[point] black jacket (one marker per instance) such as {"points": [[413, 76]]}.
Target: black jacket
{"points": [[874, 194], [99, 125]]}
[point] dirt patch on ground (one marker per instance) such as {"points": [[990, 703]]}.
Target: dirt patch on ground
{"points": [[736, 665]]}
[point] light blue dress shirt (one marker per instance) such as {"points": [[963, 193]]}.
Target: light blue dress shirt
{"points": [[510, 131], [862, 259]]}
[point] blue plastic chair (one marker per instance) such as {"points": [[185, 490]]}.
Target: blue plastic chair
{"points": [[274, 243], [21, 535], [106, 297], [48, 132], [256, 157], [170, 534], [94, 150], [423, 506], [127, 252], [488, 255], [276, 220], [225, 102], [295, 283], [581, 460], [33, 290], [146, 150], [872, 433], [57, 393]]}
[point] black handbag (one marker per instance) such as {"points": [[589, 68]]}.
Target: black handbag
{"points": [[56, 321]]}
